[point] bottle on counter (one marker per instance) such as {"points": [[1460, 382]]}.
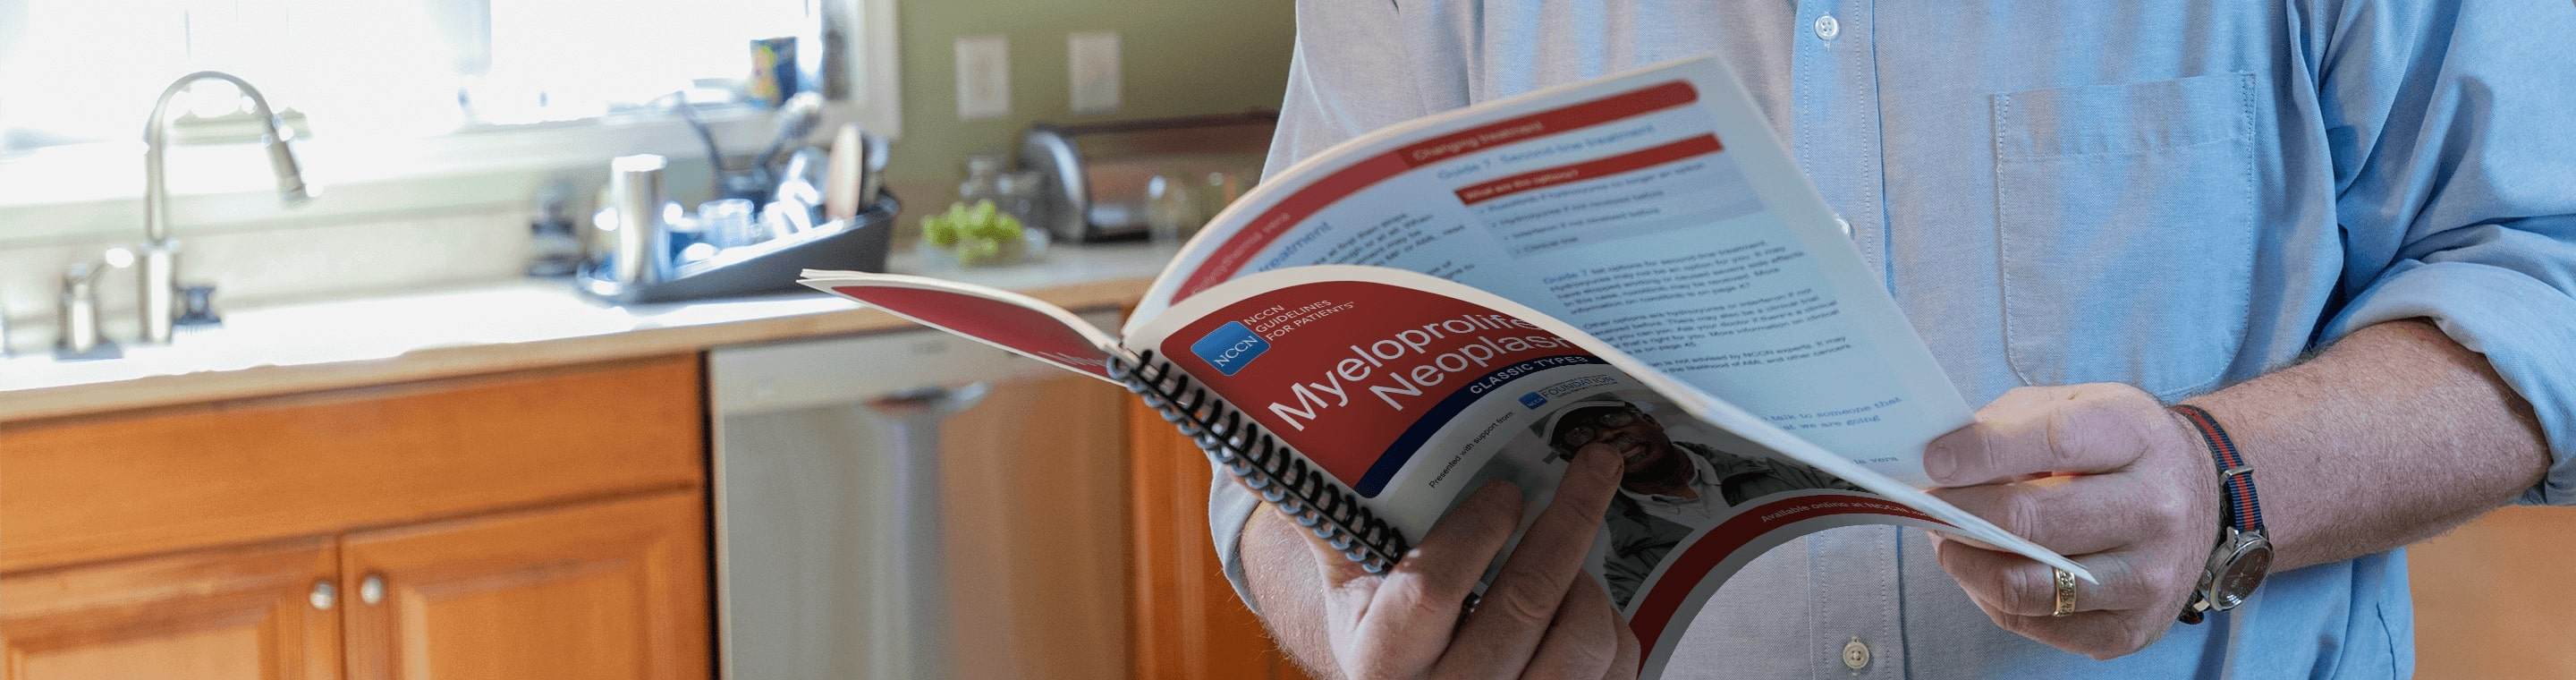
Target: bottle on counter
{"points": [[1173, 211], [983, 179], [988, 225], [1019, 193], [1015, 193]]}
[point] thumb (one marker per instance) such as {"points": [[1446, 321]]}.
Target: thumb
{"points": [[1336, 569], [1452, 555]]}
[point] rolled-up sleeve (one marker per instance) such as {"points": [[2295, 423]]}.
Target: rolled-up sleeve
{"points": [[2453, 130], [1347, 75], [1229, 506]]}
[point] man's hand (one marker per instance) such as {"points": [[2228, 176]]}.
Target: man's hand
{"points": [[2101, 473], [1541, 618]]}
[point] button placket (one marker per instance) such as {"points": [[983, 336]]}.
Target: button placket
{"points": [[1854, 571], [1836, 128]]}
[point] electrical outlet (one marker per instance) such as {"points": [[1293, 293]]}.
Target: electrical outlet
{"points": [[983, 77], [1091, 60]]}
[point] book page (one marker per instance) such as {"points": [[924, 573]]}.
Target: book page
{"points": [[1654, 210], [1018, 323], [1409, 391]]}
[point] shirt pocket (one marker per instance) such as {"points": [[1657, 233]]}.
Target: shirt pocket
{"points": [[2125, 219]]}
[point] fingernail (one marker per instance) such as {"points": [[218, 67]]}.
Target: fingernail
{"points": [[1941, 461], [1937, 463]]}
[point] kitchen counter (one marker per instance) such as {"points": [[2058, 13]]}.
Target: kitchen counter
{"points": [[497, 327]]}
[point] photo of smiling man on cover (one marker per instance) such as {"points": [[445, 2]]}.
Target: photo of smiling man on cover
{"points": [[1671, 488]]}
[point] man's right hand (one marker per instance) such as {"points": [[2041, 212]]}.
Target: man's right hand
{"points": [[1540, 618]]}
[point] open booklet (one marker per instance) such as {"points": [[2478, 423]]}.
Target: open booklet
{"points": [[1630, 264]]}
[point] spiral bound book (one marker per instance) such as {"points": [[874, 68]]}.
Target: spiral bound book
{"points": [[1234, 443], [1630, 266]]}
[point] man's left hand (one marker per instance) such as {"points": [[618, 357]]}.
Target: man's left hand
{"points": [[2101, 473]]}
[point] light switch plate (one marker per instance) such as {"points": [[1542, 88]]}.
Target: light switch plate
{"points": [[983, 77], [1091, 60]]}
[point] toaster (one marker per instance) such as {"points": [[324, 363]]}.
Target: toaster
{"points": [[1096, 177]]}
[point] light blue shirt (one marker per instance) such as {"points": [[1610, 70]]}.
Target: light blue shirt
{"points": [[2176, 195]]}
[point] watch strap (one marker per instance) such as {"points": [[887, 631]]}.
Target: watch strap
{"points": [[2240, 506]]}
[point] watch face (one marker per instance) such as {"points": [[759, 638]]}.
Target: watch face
{"points": [[2242, 574]]}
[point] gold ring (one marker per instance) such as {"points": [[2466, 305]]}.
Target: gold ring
{"points": [[2065, 592]]}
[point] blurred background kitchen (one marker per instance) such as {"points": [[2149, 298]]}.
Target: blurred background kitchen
{"points": [[455, 339]]}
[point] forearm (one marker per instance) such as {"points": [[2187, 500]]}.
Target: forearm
{"points": [[2392, 435], [1285, 588]]}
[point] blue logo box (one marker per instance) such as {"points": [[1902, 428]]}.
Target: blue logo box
{"points": [[1533, 400], [1230, 347]]}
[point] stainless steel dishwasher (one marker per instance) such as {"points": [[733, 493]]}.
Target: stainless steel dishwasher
{"points": [[824, 449]]}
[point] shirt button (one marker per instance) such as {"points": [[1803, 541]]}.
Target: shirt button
{"points": [[1855, 655], [1827, 27]]}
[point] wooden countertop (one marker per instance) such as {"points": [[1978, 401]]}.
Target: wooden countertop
{"points": [[495, 327]]}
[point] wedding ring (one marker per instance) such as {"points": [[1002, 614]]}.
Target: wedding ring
{"points": [[2065, 592]]}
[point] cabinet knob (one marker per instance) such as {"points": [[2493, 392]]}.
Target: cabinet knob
{"points": [[372, 589], [324, 595]]}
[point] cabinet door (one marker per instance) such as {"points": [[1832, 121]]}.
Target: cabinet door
{"points": [[257, 613], [239, 472], [613, 589], [1189, 623]]}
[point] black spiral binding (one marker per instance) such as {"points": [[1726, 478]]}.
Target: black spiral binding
{"points": [[1264, 464]]}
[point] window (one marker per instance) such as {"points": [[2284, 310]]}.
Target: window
{"points": [[76, 71], [395, 105]]}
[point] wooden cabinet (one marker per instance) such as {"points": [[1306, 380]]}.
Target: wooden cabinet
{"points": [[541, 524], [96, 488], [235, 614], [1189, 623], [2491, 597], [608, 590]]}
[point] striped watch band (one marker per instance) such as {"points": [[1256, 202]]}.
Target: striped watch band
{"points": [[2236, 479]]}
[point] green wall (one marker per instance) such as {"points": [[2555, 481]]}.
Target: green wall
{"points": [[1176, 57]]}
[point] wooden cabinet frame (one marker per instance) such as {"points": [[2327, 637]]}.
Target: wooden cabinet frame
{"points": [[191, 609], [236, 539]]}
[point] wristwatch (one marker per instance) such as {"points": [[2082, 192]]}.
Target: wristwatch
{"points": [[2244, 551]]}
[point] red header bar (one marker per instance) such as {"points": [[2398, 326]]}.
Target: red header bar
{"points": [[1587, 114], [1596, 168], [1273, 223]]}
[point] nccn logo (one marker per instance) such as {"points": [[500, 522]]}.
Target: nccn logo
{"points": [[1230, 348]]}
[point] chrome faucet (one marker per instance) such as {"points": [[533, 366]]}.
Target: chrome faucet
{"points": [[159, 255]]}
